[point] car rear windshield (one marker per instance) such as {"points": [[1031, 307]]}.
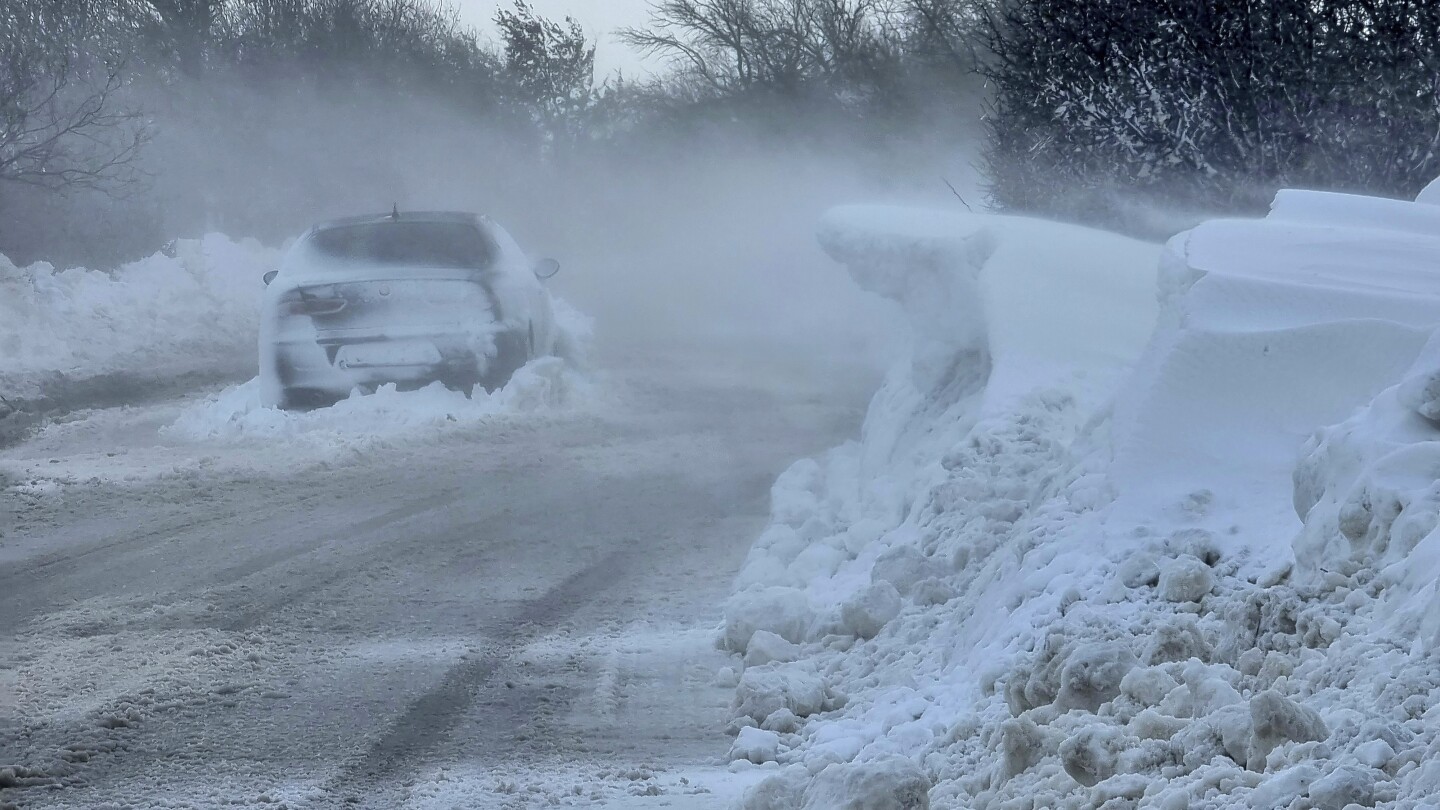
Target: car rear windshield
{"points": [[427, 244]]}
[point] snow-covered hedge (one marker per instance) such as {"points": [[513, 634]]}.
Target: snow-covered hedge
{"points": [[194, 312], [1063, 565]]}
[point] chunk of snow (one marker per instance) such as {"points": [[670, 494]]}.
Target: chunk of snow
{"points": [[932, 591], [1091, 755], [762, 691], [781, 791], [783, 721], [1148, 685], [903, 567], [1021, 745], [766, 647], [1278, 719], [886, 783], [1093, 674], [782, 611], [755, 745], [1185, 579], [1283, 788], [867, 612], [1151, 724], [1346, 786], [1139, 570], [1176, 638], [1376, 754]]}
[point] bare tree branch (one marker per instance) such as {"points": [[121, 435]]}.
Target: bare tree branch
{"points": [[62, 123]]}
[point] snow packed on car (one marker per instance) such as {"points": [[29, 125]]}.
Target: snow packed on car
{"points": [[406, 299]]}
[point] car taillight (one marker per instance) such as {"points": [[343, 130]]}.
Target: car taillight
{"points": [[297, 303]]}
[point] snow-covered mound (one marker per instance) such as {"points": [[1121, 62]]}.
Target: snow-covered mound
{"points": [[236, 415], [1063, 567], [1369, 491], [194, 312]]}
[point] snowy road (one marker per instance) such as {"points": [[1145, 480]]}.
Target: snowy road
{"points": [[516, 612]]}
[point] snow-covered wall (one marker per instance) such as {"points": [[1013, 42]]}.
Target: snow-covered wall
{"points": [[194, 312], [1059, 568], [1010, 315], [1272, 328]]}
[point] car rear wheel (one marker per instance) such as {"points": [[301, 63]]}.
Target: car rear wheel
{"points": [[512, 351], [306, 399]]}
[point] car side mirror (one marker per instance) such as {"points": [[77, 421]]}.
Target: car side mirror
{"points": [[545, 268], [269, 277]]}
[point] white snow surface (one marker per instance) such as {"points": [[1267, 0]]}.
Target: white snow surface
{"points": [[160, 316], [237, 415], [1129, 527]]}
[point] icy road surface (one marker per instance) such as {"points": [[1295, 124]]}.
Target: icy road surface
{"points": [[514, 611]]}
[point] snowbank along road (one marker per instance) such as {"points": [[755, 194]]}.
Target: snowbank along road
{"points": [[412, 601], [1132, 526]]}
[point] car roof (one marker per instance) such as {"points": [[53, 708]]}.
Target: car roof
{"points": [[463, 217]]}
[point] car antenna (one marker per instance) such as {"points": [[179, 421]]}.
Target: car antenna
{"points": [[395, 211]]}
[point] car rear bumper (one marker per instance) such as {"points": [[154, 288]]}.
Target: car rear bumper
{"points": [[321, 368], [360, 359]]}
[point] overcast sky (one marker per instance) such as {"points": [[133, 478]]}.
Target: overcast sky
{"points": [[600, 18]]}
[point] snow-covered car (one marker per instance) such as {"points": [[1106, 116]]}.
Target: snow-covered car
{"points": [[404, 298]]}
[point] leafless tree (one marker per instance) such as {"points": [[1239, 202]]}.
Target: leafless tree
{"points": [[737, 45], [950, 30], [184, 28], [871, 71], [63, 125]]}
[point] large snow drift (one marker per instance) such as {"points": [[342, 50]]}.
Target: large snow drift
{"points": [[1063, 566], [1272, 329], [194, 312]]}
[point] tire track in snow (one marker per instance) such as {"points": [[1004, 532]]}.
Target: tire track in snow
{"points": [[264, 609], [383, 520], [29, 569], [427, 722], [360, 636], [56, 565], [25, 598]]}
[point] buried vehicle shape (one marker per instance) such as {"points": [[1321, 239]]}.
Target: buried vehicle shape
{"points": [[404, 298]]}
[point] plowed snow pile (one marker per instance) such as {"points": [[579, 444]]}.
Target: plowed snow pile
{"points": [[1094, 552], [195, 311], [236, 415]]}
